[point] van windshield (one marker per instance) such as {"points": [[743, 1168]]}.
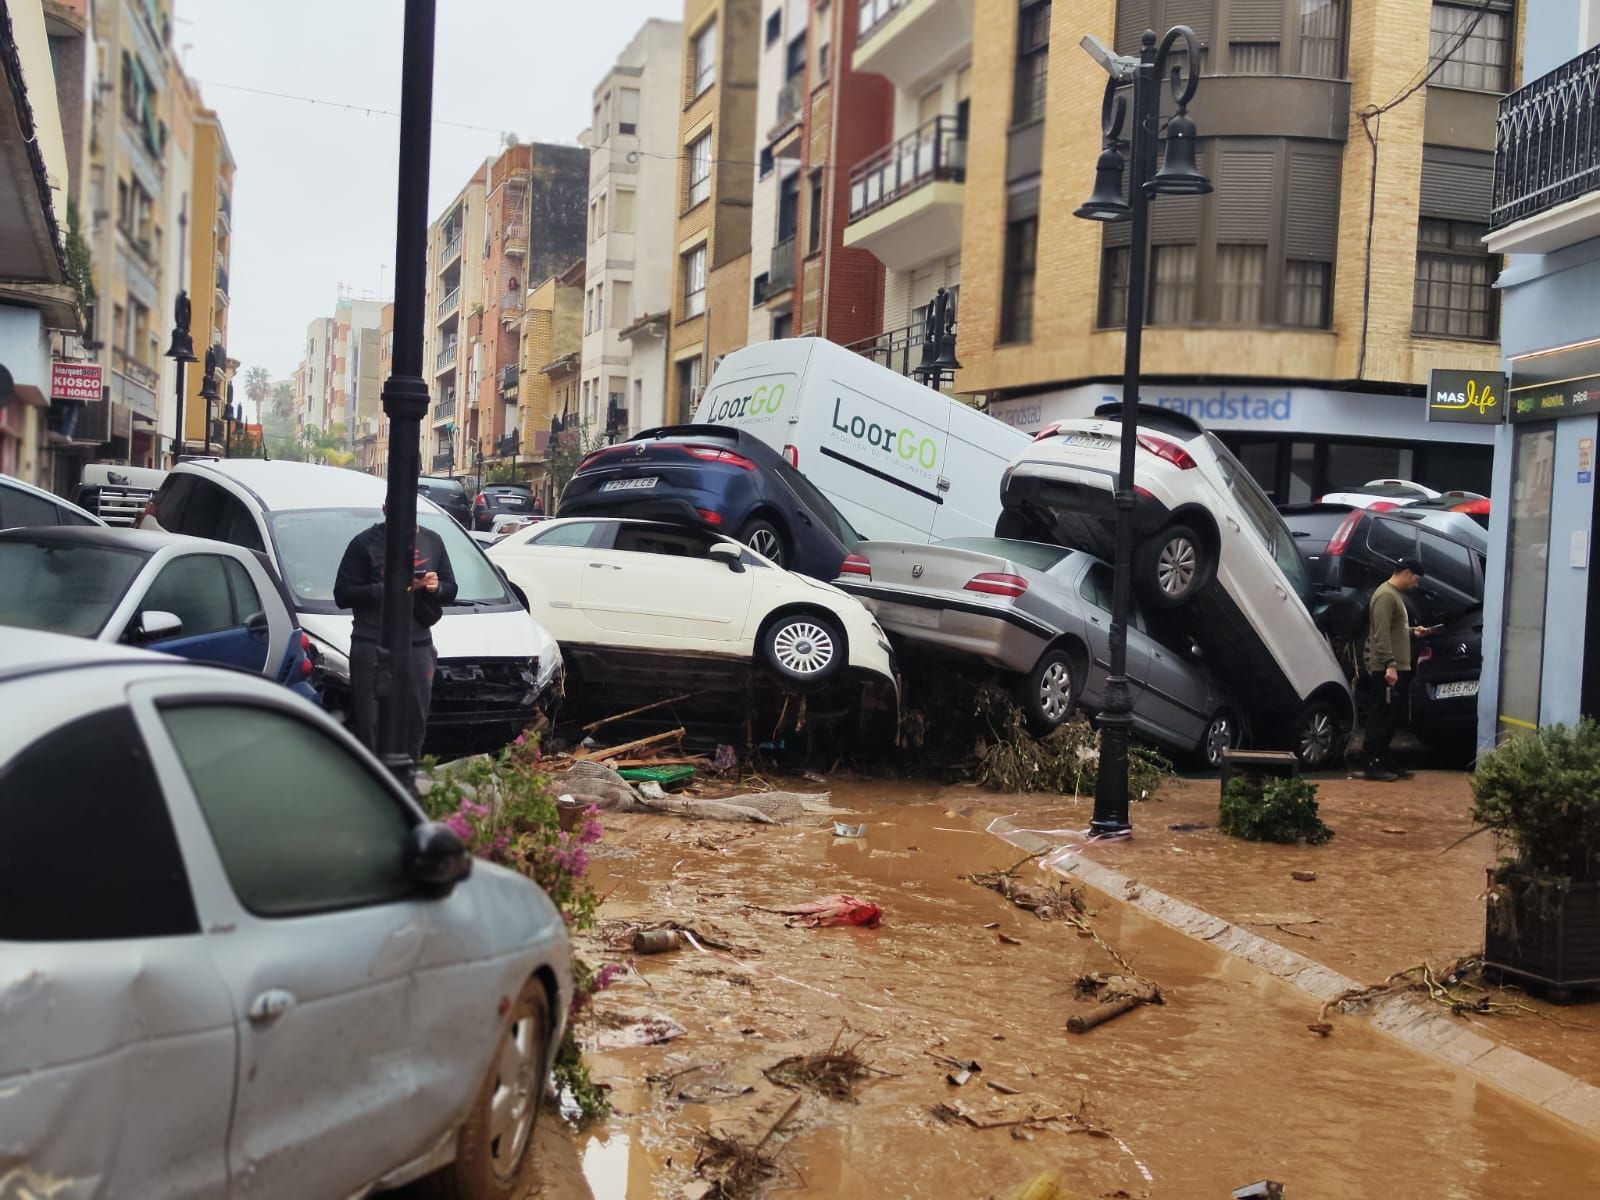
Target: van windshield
{"points": [[311, 542]]}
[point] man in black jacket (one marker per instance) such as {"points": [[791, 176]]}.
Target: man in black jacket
{"points": [[359, 587]]}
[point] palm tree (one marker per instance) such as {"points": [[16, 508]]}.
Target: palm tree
{"points": [[257, 383], [283, 399], [328, 446]]}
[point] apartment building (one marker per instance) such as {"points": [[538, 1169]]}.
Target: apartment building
{"points": [[552, 354], [628, 279], [906, 196], [377, 426], [711, 288], [455, 289], [354, 383], [1299, 308], [206, 239], [314, 408]]}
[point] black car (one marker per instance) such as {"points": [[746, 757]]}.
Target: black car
{"points": [[448, 494], [1313, 527], [1444, 685], [719, 478], [1450, 547], [496, 499]]}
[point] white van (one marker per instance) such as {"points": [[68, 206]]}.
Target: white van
{"points": [[901, 461]]}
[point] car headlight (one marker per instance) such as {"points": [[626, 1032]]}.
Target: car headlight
{"points": [[549, 662], [331, 662]]}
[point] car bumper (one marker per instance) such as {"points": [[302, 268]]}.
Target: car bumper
{"points": [[488, 701], [998, 636], [678, 506]]}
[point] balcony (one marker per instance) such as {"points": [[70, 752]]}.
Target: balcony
{"points": [[516, 240], [509, 376], [1547, 162], [444, 461], [445, 409], [225, 212], [451, 250], [911, 41], [222, 282], [905, 200], [451, 302], [784, 137], [781, 277], [510, 309], [446, 360]]}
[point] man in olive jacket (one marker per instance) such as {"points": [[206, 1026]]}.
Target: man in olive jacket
{"points": [[1389, 632]]}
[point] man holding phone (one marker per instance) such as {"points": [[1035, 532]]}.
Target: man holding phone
{"points": [[1389, 634], [359, 587]]}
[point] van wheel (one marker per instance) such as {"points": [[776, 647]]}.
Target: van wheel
{"points": [[803, 648], [763, 537], [1172, 566], [1048, 692]]}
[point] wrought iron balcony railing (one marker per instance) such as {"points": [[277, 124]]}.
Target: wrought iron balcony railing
{"points": [[781, 277], [901, 349], [935, 150], [1547, 142], [874, 13]]}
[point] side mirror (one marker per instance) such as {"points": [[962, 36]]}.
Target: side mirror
{"points": [[257, 627], [156, 623], [436, 859], [730, 554]]}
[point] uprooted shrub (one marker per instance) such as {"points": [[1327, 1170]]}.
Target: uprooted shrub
{"points": [[1276, 810], [505, 811]]}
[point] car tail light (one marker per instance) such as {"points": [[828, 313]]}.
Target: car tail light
{"points": [[709, 516], [1049, 431], [1424, 653], [1170, 451], [1472, 506], [1382, 505], [713, 454], [479, 502], [857, 565], [792, 455], [993, 583], [1341, 536]]}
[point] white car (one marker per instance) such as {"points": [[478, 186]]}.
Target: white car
{"points": [[641, 596], [234, 955], [1209, 548], [498, 667], [1392, 493], [23, 505]]}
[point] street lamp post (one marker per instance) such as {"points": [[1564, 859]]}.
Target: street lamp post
{"points": [[405, 393], [938, 342], [1177, 176], [209, 393], [181, 351]]}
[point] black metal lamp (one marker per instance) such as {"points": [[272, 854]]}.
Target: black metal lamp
{"points": [[1106, 202], [181, 351], [208, 390], [938, 341], [1179, 176]]}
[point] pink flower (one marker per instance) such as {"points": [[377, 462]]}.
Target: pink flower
{"points": [[604, 977], [519, 740]]}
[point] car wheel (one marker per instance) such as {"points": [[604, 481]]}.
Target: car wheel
{"points": [[1048, 692], [494, 1159], [1172, 566], [1222, 733], [803, 648], [1319, 736], [763, 537]]}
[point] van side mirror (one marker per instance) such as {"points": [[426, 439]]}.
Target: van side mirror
{"points": [[729, 553], [436, 859], [156, 624]]}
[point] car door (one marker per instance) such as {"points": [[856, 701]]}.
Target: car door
{"points": [[1095, 591], [209, 595], [1172, 707], [117, 1055], [548, 564], [352, 1058], [659, 586]]}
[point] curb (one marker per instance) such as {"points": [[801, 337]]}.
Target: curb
{"points": [[1409, 1021]]}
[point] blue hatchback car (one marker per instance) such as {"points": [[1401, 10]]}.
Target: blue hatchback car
{"points": [[721, 479]]}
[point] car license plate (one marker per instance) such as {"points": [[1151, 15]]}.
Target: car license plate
{"points": [[513, 502], [630, 485], [909, 614], [1090, 441], [1450, 691]]}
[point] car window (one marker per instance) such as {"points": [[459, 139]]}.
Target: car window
{"points": [[299, 822], [1264, 519], [1096, 586], [674, 543], [817, 504], [1447, 562], [85, 793], [71, 589], [1391, 540], [578, 533], [246, 600], [195, 589], [171, 499], [20, 509]]}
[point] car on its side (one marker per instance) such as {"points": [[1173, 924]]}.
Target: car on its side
{"points": [[651, 600], [450, 495], [499, 669], [236, 956], [1210, 551], [23, 505], [722, 479], [499, 499], [197, 599], [1042, 615]]}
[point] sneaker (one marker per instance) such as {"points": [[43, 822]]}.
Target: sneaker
{"points": [[1379, 775]]}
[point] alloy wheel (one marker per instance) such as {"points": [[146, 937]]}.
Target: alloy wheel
{"points": [[515, 1102], [803, 648], [1055, 692], [1175, 569], [765, 543], [1219, 737], [1316, 739]]}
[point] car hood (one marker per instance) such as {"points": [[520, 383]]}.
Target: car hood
{"points": [[461, 634]]}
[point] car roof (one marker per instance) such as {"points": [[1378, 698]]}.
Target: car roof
{"points": [[726, 433], [637, 522], [282, 485], [12, 481], [145, 541], [32, 651]]}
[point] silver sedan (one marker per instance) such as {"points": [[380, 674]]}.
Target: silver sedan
{"points": [[1041, 614]]}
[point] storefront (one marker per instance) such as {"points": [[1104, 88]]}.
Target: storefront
{"points": [[1299, 442]]}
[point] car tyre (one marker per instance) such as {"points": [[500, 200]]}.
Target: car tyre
{"points": [[494, 1150], [805, 649], [1049, 692], [1223, 732], [1172, 566], [1319, 736], [763, 537]]}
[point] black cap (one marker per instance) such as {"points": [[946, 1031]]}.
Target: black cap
{"points": [[1407, 564]]}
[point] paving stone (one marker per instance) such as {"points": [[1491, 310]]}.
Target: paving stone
{"points": [[1514, 1071]]}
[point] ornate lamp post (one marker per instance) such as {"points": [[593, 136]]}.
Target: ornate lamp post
{"points": [[208, 389], [230, 414], [1178, 176], [939, 342], [181, 351]]}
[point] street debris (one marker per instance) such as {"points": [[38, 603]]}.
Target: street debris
{"points": [[953, 1112], [961, 1064], [840, 829], [1303, 876], [1113, 995], [1047, 903], [1264, 1189], [1190, 827], [642, 709], [996, 1085], [1006, 939], [1454, 988], [589, 782], [621, 1030], [958, 1078], [734, 1170], [619, 934], [656, 941], [1044, 1186], [833, 910], [833, 1072]]}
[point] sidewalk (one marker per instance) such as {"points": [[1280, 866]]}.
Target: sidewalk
{"points": [[1389, 894]]}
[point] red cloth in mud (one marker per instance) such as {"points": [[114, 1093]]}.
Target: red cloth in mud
{"points": [[837, 910]]}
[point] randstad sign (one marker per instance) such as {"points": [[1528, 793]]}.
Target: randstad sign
{"points": [[1474, 397]]}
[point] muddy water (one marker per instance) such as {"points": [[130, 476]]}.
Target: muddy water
{"points": [[1220, 1087]]}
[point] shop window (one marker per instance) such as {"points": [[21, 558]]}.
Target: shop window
{"points": [[1021, 263], [1033, 62], [1455, 281], [1474, 41], [1522, 638]]}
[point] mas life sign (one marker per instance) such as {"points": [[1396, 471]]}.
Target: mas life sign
{"points": [[75, 381], [1469, 397]]}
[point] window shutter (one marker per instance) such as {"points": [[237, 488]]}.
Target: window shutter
{"points": [[1255, 20], [1198, 15], [1177, 218], [1456, 184], [1244, 195], [1312, 225], [1133, 18]]}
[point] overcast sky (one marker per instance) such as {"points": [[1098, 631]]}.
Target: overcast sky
{"points": [[314, 195]]}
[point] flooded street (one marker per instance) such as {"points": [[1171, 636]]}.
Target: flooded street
{"points": [[1220, 1086]]}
